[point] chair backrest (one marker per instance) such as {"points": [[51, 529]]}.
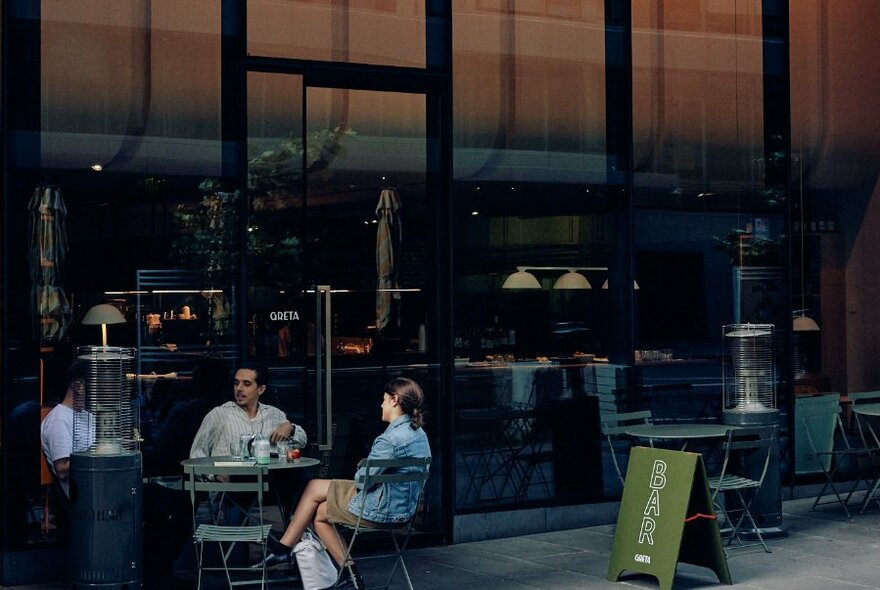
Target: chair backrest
{"points": [[616, 424], [816, 420], [864, 397], [613, 424], [746, 447], [247, 479], [408, 470], [46, 474], [202, 478], [386, 470]]}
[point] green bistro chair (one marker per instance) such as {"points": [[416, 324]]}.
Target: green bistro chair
{"points": [[869, 440], [385, 471], [818, 430], [743, 450], [614, 427], [249, 479]]}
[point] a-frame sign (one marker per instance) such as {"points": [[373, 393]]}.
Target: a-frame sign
{"points": [[666, 516]]}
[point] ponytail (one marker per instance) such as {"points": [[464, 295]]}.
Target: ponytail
{"points": [[410, 397], [417, 419]]}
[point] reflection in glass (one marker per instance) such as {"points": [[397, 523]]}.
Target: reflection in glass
{"points": [[355, 31]]}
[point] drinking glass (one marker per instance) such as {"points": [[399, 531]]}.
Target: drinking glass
{"points": [[282, 447]]}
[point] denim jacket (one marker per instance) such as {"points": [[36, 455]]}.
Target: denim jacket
{"points": [[392, 502]]}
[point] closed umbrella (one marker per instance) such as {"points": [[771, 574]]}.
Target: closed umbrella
{"points": [[48, 250], [388, 239]]}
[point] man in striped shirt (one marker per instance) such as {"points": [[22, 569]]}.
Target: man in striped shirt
{"points": [[222, 428]]}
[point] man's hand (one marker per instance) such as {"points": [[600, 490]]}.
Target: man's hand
{"points": [[282, 432]]}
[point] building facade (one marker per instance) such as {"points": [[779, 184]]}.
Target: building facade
{"points": [[350, 190]]}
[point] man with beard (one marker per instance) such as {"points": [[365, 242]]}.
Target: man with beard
{"points": [[222, 428]]}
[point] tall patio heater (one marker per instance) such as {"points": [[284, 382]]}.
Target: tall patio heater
{"points": [[106, 504], [749, 396]]}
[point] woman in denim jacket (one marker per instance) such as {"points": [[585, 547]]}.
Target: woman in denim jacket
{"points": [[338, 500]]}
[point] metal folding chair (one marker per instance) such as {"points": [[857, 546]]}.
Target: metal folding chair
{"points": [[249, 479], [744, 450], [614, 426], [822, 428], [399, 472], [869, 440]]}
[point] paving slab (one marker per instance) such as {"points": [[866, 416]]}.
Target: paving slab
{"points": [[824, 551]]}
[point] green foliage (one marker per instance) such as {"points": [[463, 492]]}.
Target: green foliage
{"points": [[274, 174], [208, 238]]}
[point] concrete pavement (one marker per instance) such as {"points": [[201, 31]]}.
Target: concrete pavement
{"points": [[823, 551]]}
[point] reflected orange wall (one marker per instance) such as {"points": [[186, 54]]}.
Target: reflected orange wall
{"points": [[697, 89], [529, 75], [536, 81], [102, 70], [835, 88]]}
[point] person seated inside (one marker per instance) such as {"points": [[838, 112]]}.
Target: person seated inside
{"points": [[221, 430], [339, 500], [56, 431]]}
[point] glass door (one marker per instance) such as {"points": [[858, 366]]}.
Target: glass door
{"points": [[341, 277]]}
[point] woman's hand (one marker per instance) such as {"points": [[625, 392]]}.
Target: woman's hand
{"points": [[282, 432]]}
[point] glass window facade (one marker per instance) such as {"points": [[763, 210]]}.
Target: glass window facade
{"points": [[104, 167], [545, 212], [711, 233], [383, 32], [531, 193]]}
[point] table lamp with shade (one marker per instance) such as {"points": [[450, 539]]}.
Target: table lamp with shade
{"points": [[103, 314]]}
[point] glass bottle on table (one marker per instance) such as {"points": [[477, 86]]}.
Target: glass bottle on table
{"points": [[262, 452]]}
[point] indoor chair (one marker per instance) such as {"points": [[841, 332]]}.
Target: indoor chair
{"points": [[614, 427], [388, 472], [249, 479], [745, 451]]}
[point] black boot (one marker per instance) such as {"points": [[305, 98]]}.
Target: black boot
{"points": [[279, 554]]}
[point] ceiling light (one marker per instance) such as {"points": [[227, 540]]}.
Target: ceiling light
{"points": [[803, 323], [635, 285], [572, 280], [521, 279]]}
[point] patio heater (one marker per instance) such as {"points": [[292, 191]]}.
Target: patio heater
{"points": [[106, 503], [749, 394], [748, 376]]}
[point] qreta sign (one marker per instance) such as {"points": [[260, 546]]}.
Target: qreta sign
{"points": [[284, 315]]}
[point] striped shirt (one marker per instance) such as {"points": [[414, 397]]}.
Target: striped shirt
{"points": [[222, 428]]}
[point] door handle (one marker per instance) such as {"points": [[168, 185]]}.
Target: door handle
{"points": [[324, 367]]}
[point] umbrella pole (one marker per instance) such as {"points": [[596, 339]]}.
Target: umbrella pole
{"points": [[104, 335]]}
